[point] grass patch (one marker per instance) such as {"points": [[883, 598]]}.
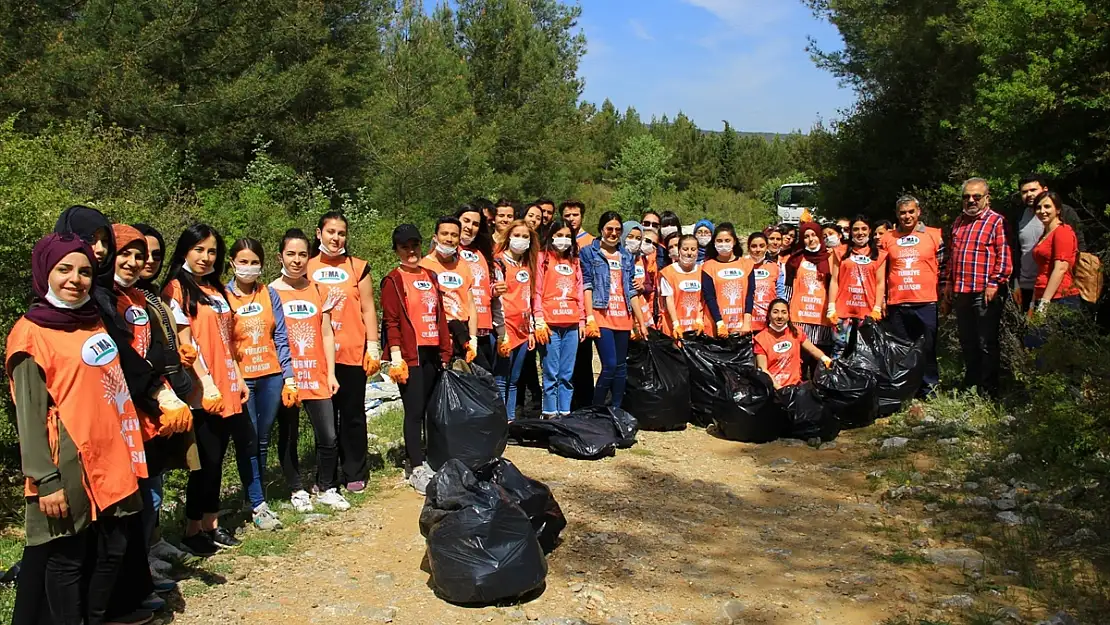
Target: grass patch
{"points": [[641, 451], [903, 558], [388, 426]]}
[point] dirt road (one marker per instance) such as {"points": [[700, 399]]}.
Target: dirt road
{"points": [[683, 528]]}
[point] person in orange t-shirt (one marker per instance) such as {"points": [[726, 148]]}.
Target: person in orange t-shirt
{"points": [[205, 319], [517, 255], [559, 312], [454, 281], [476, 250], [779, 347], [728, 283], [858, 286]]}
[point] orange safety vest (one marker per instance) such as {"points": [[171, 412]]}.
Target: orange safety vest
{"points": [[516, 302], [304, 327], [212, 333], [131, 305], [857, 285], [766, 275], [810, 296], [454, 284], [562, 279], [482, 288], [253, 332], [686, 292], [912, 271], [730, 285], [338, 278]]}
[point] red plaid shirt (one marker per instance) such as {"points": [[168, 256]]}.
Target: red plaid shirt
{"points": [[978, 254]]}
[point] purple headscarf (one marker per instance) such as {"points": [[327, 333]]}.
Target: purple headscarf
{"points": [[47, 253]]}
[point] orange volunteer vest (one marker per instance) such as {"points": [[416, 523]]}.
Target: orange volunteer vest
{"points": [[212, 334], [617, 316], [912, 272], [857, 285], [131, 305], [730, 283], [686, 292], [482, 289], [517, 301], [810, 296], [253, 332], [454, 284], [338, 278], [559, 291], [766, 276], [303, 310], [421, 301]]}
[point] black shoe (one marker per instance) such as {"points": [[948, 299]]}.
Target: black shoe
{"points": [[223, 538], [138, 617], [200, 545]]}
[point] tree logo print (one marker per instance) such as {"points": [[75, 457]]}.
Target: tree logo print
{"points": [[254, 328], [564, 284], [479, 273], [302, 335], [337, 297], [811, 284], [115, 388], [732, 291], [429, 300]]}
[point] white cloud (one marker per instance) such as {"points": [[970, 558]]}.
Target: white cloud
{"points": [[639, 30], [745, 15]]}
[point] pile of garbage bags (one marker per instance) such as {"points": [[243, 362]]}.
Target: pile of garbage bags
{"points": [[488, 532], [587, 434], [465, 419], [877, 374]]}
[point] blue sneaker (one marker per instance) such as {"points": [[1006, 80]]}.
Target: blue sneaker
{"points": [[153, 603]]}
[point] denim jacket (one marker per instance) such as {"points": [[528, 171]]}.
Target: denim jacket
{"points": [[595, 274]]}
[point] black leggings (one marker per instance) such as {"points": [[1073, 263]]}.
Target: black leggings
{"points": [[349, 405], [414, 397], [583, 378], [322, 417], [202, 493]]}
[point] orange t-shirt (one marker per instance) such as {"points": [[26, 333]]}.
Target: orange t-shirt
{"points": [[647, 300], [584, 239], [912, 272], [810, 296], [784, 355], [685, 288], [482, 289], [253, 333], [212, 336], [131, 305], [90, 397], [766, 275], [338, 277], [618, 315], [857, 285], [516, 302], [455, 283], [730, 283], [560, 286], [304, 326], [422, 301]]}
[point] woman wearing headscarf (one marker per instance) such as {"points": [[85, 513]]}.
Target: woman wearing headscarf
{"points": [[79, 463], [703, 232], [808, 274]]}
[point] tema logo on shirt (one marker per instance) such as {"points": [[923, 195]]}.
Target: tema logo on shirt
{"points": [[614, 265], [249, 310], [761, 274], [639, 272], [908, 241], [730, 273], [99, 350], [136, 316], [523, 276], [860, 259], [564, 269], [468, 256], [808, 266], [219, 304], [330, 275], [689, 286], [450, 280], [782, 347], [422, 285], [299, 309]]}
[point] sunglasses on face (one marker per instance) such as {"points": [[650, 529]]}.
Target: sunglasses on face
{"points": [[651, 224], [973, 197]]}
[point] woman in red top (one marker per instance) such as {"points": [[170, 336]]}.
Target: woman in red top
{"points": [[807, 277], [559, 313], [414, 328], [728, 285], [778, 348], [517, 255], [858, 287], [204, 319], [476, 250], [1056, 254]]}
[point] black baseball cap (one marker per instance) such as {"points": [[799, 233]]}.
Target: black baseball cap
{"points": [[405, 233]]}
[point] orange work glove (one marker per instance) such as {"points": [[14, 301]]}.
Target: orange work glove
{"points": [[176, 415], [472, 349], [542, 332], [211, 400], [290, 396], [398, 368], [877, 312], [372, 361], [830, 314], [187, 354], [592, 331], [503, 348]]}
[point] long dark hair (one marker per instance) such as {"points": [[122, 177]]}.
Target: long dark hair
{"points": [[556, 225], [314, 248], [606, 217], [711, 250], [191, 295], [872, 246], [789, 324], [483, 242]]}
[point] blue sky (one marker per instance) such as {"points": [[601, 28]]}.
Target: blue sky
{"points": [[740, 60]]}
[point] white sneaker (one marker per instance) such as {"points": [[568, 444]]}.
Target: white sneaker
{"points": [[162, 550], [264, 518], [332, 499], [302, 501], [420, 478]]}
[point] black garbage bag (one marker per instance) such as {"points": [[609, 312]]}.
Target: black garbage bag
{"points": [[850, 391], [466, 419], [481, 546], [807, 415], [748, 411], [658, 384], [899, 365], [708, 358], [587, 434], [533, 496]]}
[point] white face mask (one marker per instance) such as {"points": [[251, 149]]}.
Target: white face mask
{"points": [[518, 245], [186, 267], [444, 250], [972, 211], [777, 327], [704, 239], [667, 231], [861, 240], [327, 252], [58, 302], [633, 245], [124, 284], [814, 248], [248, 273], [561, 244], [724, 249], [465, 240], [293, 276], [832, 240], [673, 254]]}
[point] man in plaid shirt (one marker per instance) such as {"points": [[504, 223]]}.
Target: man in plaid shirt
{"points": [[974, 283]]}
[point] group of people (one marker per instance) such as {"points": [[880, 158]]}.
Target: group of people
{"points": [[117, 378]]}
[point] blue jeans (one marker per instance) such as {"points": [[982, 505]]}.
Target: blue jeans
{"points": [[558, 366], [507, 374], [612, 350], [262, 406]]}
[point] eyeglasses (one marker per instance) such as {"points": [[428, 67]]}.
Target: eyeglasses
{"points": [[651, 224], [973, 197]]}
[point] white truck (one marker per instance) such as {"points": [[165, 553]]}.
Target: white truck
{"points": [[794, 199]]}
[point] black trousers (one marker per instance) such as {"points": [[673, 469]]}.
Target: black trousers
{"points": [[530, 381], [350, 423], [978, 324], [202, 493], [583, 377], [911, 322], [414, 397], [134, 571], [321, 416]]}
